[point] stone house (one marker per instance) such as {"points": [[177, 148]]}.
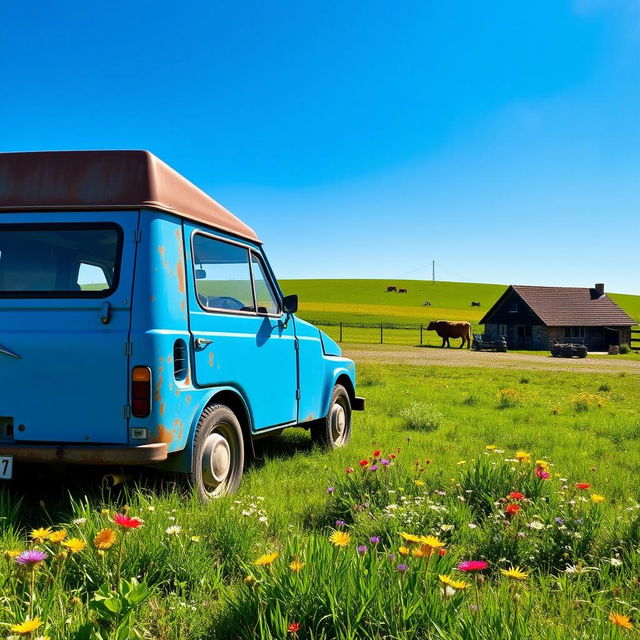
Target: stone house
{"points": [[536, 317]]}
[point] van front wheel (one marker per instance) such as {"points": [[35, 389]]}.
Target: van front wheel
{"points": [[334, 431], [218, 453]]}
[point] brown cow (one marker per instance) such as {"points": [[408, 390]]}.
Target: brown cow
{"points": [[392, 288], [446, 330], [402, 291]]}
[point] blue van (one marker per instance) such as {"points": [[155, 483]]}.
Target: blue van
{"points": [[141, 324]]}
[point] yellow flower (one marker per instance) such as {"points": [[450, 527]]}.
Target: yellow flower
{"points": [[455, 584], [27, 626], [58, 536], [249, 579], [409, 537], [620, 620], [105, 539], [10, 554], [514, 572], [105, 512], [490, 447], [266, 559], [195, 538], [597, 498], [75, 545], [523, 457], [296, 566], [339, 538], [419, 483], [543, 464], [40, 535], [431, 541], [403, 551]]}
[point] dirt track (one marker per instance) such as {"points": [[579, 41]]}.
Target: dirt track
{"points": [[465, 358]]}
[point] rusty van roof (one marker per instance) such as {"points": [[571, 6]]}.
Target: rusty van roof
{"points": [[55, 180]]}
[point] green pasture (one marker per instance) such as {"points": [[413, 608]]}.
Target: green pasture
{"points": [[195, 563]]}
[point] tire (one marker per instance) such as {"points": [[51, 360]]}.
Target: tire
{"points": [[334, 431], [218, 453]]}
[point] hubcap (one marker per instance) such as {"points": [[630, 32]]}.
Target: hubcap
{"points": [[216, 460], [338, 423]]}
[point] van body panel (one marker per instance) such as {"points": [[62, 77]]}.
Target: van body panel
{"points": [[70, 384]]}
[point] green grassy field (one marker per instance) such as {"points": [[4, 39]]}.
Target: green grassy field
{"points": [[196, 564], [329, 302]]}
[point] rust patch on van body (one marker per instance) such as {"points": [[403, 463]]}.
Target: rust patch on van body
{"points": [[163, 434], [211, 358]]}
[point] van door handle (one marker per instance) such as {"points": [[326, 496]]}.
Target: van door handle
{"points": [[201, 343]]}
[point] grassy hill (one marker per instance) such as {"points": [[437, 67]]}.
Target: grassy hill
{"points": [[329, 302]]}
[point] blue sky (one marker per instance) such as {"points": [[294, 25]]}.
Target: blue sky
{"points": [[362, 139]]}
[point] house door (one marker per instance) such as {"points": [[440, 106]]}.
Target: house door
{"points": [[523, 337]]}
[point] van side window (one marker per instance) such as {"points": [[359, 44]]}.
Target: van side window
{"points": [[222, 275], [265, 298]]}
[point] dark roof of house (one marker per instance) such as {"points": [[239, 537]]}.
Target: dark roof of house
{"points": [[568, 307], [82, 180]]}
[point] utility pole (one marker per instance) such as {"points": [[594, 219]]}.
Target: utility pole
{"points": [[433, 272]]}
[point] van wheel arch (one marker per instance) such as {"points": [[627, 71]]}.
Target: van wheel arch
{"points": [[236, 403], [346, 382]]}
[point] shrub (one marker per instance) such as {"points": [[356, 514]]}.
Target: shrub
{"points": [[624, 348], [524, 380], [604, 387], [509, 398], [421, 417], [471, 400]]}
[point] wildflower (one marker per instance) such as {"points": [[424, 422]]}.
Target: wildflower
{"points": [[195, 538], [374, 539], [28, 626], [618, 619], [330, 490], [362, 549], [266, 559], [583, 485], [339, 538], [536, 524], [516, 495], [32, 557], [402, 568], [296, 566], [104, 539], [473, 565], [541, 473], [543, 464], [490, 447], [409, 537], [173, 530], [403, 551], [364, 463], [58, 536], [373, 467], [431, 541], [512, 509], [349, 470], [615, 562], [597, 498], [75, 545], [384, 462], [293, 627], [105, 512], [419, 483], [12, 554], [79, 521], [340, 523], [376, 453], [127, 522], [514, 572], [249, 579], [442, 552], [40, 535], [455, 584], [523, 457]]}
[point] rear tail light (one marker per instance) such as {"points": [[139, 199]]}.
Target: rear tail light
{"points": [[141, 392]]}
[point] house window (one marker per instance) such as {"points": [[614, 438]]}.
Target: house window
{"points": [[513, 307], [575, 332]]}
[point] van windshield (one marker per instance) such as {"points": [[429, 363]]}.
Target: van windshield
{"points": [[61, 260]]}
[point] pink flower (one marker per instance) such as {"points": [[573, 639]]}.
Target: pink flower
{"points": [[126, 521], [473, 565], [541, 473]]}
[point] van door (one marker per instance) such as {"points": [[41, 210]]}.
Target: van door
{"points": [[239, 334], [65, 308]]}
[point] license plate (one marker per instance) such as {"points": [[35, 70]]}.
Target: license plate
{"points": [[6, 467]]}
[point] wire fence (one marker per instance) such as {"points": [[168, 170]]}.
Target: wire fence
{"points": [[378, 333]]}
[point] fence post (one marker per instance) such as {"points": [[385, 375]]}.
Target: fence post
{"points": [[421, 335], [340, 332], [381, 340]]}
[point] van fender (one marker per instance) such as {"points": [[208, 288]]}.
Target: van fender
{"points": [[342, 373], [229, 396]]}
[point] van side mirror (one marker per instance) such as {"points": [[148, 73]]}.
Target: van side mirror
{"points": [[290, 304], [201, 274]]}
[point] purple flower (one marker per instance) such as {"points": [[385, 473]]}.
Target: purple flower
{"points": [[374, 539], [362, 549], [402, 567], [340, 523], [32, 557], [392, 557], [559, 520], [474, 607], [384, 462], [373, 467], [330, 490]]}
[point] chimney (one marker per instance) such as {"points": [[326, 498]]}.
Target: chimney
{"points": [[599, 288]]}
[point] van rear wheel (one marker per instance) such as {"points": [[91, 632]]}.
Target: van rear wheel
{"points": [[218, 453], [334, 431]]}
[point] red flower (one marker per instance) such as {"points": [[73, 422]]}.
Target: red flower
{"points": [[376, 453], [393, 456], [583, 485], [512, 509], [442, 552], [349, 470], [293, 627], [473, 565], [516, 495], [126, 521], [364, 463]]}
